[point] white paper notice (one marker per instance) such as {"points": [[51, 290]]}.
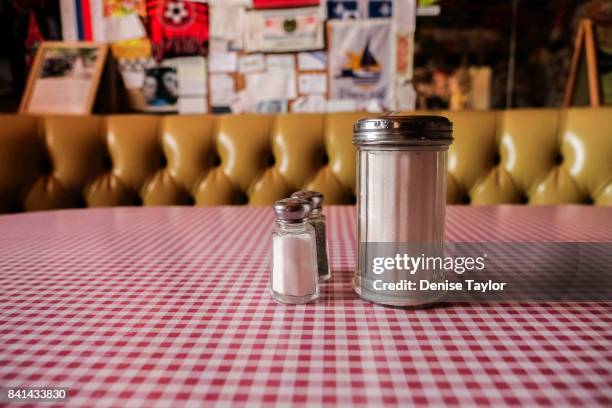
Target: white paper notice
{"points": [[312, 84], [192, 104], [312, 61], [309, 103], [291, 83], [60, 95], [373, 105], [222, 90], [133, 79], [341, 105], [227, 23], [284, 29], [251, 63], [404, 14], [269, 86], [191, 73], [280, 61], [128, 27], [222, 62], [241, 103], [406, 96]]}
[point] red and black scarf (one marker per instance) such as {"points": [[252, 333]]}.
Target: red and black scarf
{"points": [[178, 28]]}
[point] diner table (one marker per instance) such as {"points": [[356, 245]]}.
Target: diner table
{"points": [[168, 307]]}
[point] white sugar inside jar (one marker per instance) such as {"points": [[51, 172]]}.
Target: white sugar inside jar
{"points": [[401, 200]]}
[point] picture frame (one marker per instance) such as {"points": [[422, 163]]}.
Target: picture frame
{"points": [[64, 78]]}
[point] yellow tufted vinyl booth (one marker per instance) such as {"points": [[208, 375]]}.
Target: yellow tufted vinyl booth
{"points": [[519, 156]]}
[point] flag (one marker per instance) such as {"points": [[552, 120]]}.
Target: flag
{"points": [[343, 9], [356, 9]]}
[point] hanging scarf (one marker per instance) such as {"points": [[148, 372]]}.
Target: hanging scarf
{"points": [[178, 28]]}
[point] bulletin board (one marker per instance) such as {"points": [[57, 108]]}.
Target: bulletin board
{"points": [[198, 56]]}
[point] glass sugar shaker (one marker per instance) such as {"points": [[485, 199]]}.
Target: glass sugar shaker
{"points": [[317, 220], [294, 276], [401, 201]]}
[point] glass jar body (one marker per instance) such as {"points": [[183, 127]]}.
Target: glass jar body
{"points": [[401, 201], [294, 276]]}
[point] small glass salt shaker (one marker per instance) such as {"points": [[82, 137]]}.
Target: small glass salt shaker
{"points": [[317, 220], [294, 276]]}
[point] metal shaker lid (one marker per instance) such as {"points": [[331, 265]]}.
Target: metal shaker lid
{"points": [[393, 129], [292, 209], [313, 197]]}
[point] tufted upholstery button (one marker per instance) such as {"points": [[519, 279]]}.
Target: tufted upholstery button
{"points": [[215, 160], [523, 199], [465, 199], [270, 160], [46, 166], [107, 163], [558, 159], [15, 208], [352, 199], [589, 200], [81, 202], [242, 199], [496, 159], [163, 162], [324, 159]]}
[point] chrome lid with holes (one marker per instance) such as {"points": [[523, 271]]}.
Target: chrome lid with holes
{"points": [[292, 209], [313, 197], [396, 130]]}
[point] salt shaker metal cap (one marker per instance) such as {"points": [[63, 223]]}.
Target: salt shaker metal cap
{"points": [[292, 210], [395, 130], [313, 197]]}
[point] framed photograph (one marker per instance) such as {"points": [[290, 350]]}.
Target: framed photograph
{"points": [[64, 78], [160, 89]]}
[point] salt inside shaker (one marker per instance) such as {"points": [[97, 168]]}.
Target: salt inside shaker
{"points": [[317, 220], [294, 276]]}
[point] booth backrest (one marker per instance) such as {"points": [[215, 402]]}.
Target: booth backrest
{"points": [[519, 156]]}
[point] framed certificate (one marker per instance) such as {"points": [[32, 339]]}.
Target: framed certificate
{"points": [[64, 78]]}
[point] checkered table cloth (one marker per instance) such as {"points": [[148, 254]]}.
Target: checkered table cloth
{"points": [[138, 307]]}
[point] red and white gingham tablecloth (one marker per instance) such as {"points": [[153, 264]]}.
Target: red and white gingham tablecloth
{"points": [[168, 307]]}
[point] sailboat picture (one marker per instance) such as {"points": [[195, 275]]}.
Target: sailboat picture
{"points": [[364, 68], [361, 61]]}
